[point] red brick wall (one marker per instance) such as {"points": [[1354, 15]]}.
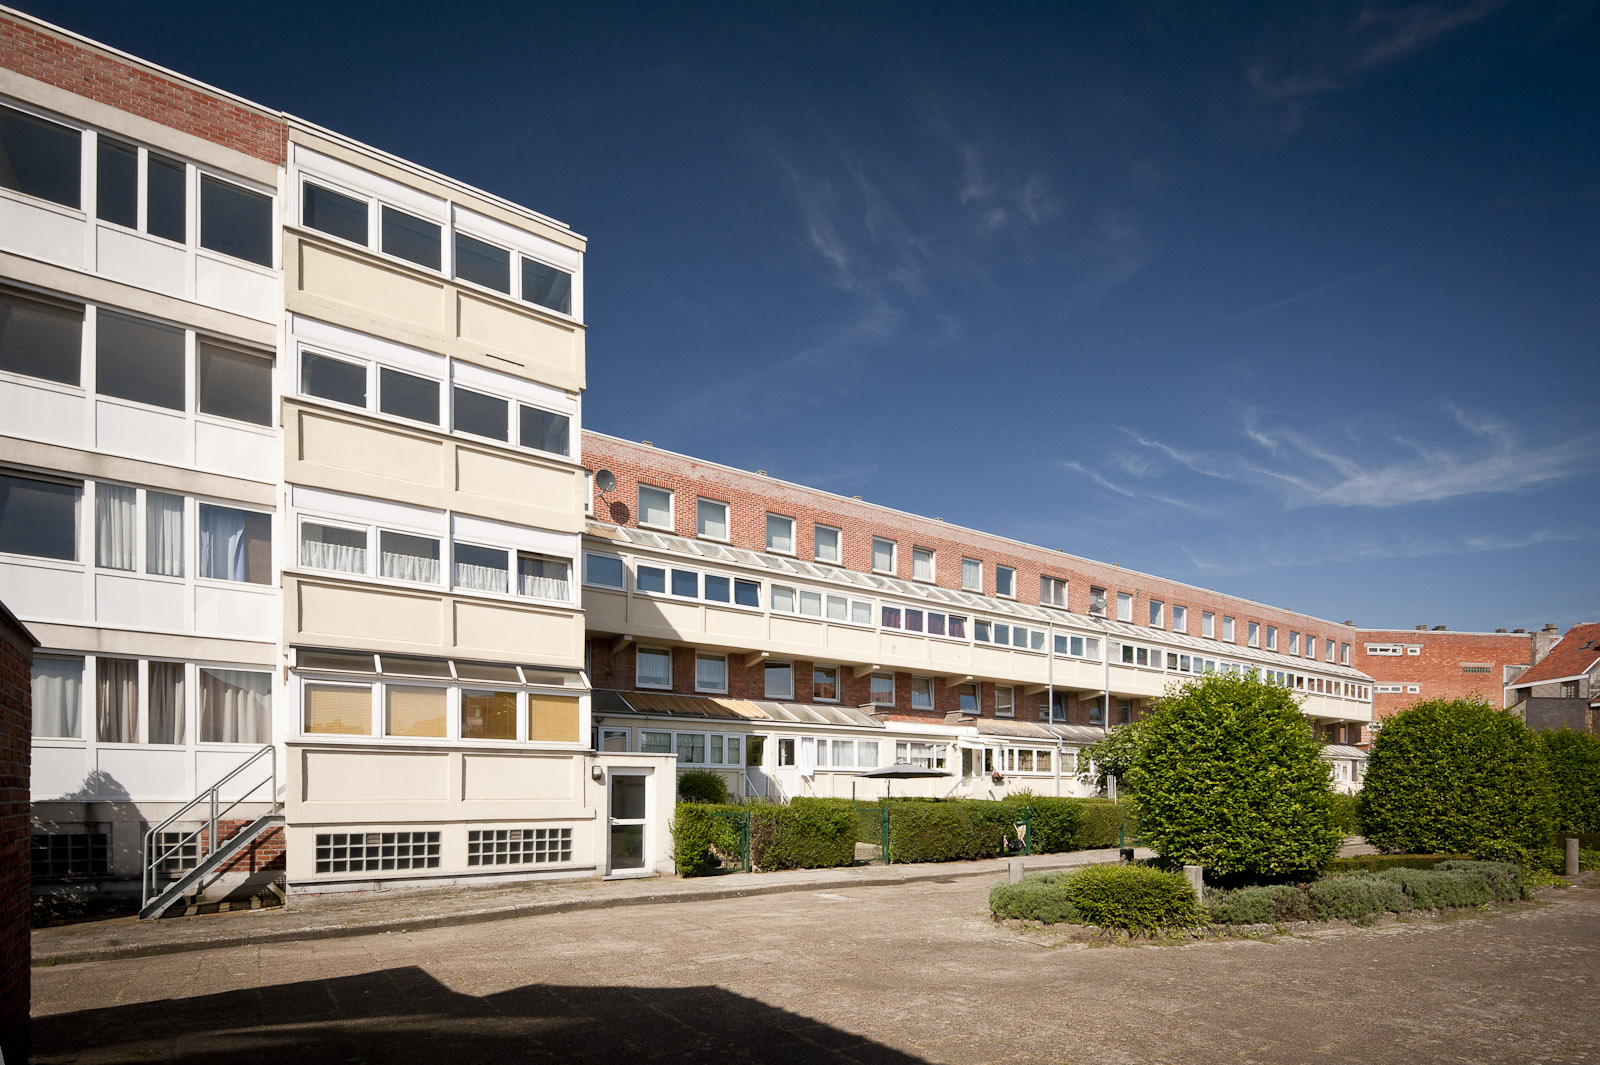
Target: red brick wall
{"points": [[68, 64], [1438, 668], [751, 497], [16, 879], [266, 852]]}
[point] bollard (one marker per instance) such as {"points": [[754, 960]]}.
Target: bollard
{"points": [[1014, 870], [1125, 855], [1196, 875], [1572, 857]]}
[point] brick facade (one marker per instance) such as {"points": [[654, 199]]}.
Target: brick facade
{"points": [[1440, 667], [99, 75], [16, 884]]}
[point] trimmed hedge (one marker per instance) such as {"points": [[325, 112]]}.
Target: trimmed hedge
{"points": [[805, 834], [1104, 823], [1574, 761], [1347, 814], [1134, 898], [949, 831], [702, 785], [1377, 863], [695, 832], [1451, 883]]}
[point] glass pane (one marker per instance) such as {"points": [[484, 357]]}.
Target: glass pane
{"points": [[541, 577], [57, 696], [827, 544], [711, 519], [825, 684], [414, 711], [235, 221], [650, 579], [166, 200], [860, 612], [654, 669], [487, 715], [747, 593], [38, 518], [627, 846], [545, 430], [552, 718], [116, 197], [882, 555], [335, 213], [340, 710], [139, 360], [686, 583], [779, 681], [605, 570], [690, 747], [335, 379], [235, 545], [408, 396], [330, 547], [114, 526], [547, 286], [166, 703], [627, 797], [404, 557], [40, 158], [482, 569], [782, 599], [235, 385], [780, 534], [479, 414], [482, 263], [711, 674], [716, 588], [811, 603], [236, 706], [40, 339], [411, 238], [655, 742], [655, 506], [117, 700]]}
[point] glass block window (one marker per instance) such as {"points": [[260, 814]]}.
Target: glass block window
{"points": [[178, 852], [371, 852], [519, 846], [58, 857]]}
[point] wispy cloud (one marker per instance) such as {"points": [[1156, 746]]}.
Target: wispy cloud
{"points": [[1239, 559]]}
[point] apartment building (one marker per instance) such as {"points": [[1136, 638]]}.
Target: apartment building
{"points": [[1563, 689], [291, 492], [1412, 665], [787, 638]]}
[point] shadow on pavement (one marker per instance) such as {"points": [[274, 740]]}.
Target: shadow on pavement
{"points": [[404, 1014]]}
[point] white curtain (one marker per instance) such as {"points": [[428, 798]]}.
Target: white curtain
{"points": [[882, 555], [780, 535], [655, 669], [166, 702], [711, 673], [57, 696], [163, 534], [117, 700], [417, 568], [808, 757], [480, 578], [222, 554], [320, 554], [542, 587], [235, 706], [114, 508]]}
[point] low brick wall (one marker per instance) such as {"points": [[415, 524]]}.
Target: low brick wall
{"points": [[16, 877]]}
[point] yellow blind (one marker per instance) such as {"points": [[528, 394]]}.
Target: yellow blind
{"points": [[346, 711], [488, 715], [552, 718], [415, 711]]}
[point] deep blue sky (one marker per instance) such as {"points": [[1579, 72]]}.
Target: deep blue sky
{"points": [[1296, 301]]}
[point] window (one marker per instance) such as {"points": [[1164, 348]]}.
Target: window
{"points": [[654, 668], [117, 190], [478, 414], [779, 680], [235, 545], [1569, 689], [39, 339], [1475, 667], [825, 543], [825, 684], [1413, 689], [406, 395], [235, 221], [1005, 700], [711, 519], [545, 430], [711, 673], [1097, 602], [972, 575], [1272, 637], [1327, 650], [922, 693], [236, 706], [780, 534], [481, 569], [1344, 654], [59, 855], [234, 384], [482, 263], [542, 577], [343, 710], [1311, 646], [1053, 591], [1208, 624], [921, 564], [1005, 582], [356, 852], [1180, 618], [39, 158], [518, 846], [57, 696], [1253, 633], [968, 696], [1294, 643], [333, 212], [882, 555], [546, 286], [882, 690], [1227, 629], [655, 507], [1157, 610], [603, 570], [335, 379], [1124, 606], [117, 700], [1124, 711], [139, 360], [411, 238], [405, 557], [332, 548], [488, 715], [926, 755]]}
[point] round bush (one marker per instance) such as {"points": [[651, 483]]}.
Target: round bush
{"points": [[1574, 761], [1229, 776], [1135, 898], [1457, 776], [701, 785]]}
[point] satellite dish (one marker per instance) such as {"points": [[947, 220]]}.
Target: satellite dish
{"points": [[606, 481]]}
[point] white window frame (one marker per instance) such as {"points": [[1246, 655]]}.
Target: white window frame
{"points": [[1227, 630], [894, 693], [838, 544], [701, 502], [1252, 633], [1208, 625], [699, 686], [672, 516], [1010, 580], [838, 683], [1005, 700], [894, 555], [974, 586], [766, 674], [926, 684], [1125, 607], [638, 680], [1158, 614], [767, 532], [1049, 586], [931, 556], [1180, 618]]}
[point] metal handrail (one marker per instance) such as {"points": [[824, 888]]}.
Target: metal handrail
{"points": [[212, 797]]}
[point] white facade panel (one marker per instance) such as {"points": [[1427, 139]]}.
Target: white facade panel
{"points": [[138, 260], [41, 591], [253, 454], [150, 774], [249, 292], [141, 432], [51, 234], [248, 614], [43, 412], [58, 772], [133, 602]]}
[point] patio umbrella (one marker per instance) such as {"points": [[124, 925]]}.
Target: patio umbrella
{"points": [[901, 771]]}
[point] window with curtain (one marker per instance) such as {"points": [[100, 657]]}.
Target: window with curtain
{"points": [[883, 689], [163, 534], [655, 507], [488, 715], [972, 574], [117, 700], [552, 718], [404, 557], [921, 564], [481, 569], [330, 547], [235, 545], [542, 577], [825, 543], [57, 696], [882, 555], [654, 668], [414, 711], [114, 526], [341, 710], [166, 703], [711, 519], [710, 673], [235, 706], [780, 534]]}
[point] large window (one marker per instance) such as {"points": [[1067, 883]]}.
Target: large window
{"points": [[338, 709], [235, 221], [163, 212], [711, 674], [235, 545], [39, 518], [39, 158], [654, 668], [968, 698], [235, 706], [779, 680], [711, 519], [57, 696], [117, 527], [414, 711], [1253, 633], [333, 548], [139, 360], [655, 507], [482, 569], [234, 384], [41, 339], [1227, 629]]}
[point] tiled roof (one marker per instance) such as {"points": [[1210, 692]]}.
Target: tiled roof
{"points": [[1574, 656]]}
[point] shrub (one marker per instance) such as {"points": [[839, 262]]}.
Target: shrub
{"points": [[1505, 879], [1377, 863], [695, 833], [1135, 898], [1105, 824], [1574, 762], [1456, 775], [805, 834], [1355, 898], [1436, 889], [1113, 756], [1230, 776], [1273, 904], [701, 785], [1346, 814], [1055, 823], [949, 831], [1037, 897]]}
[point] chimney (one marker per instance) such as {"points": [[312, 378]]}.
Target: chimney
{"points": [[1542, 641], [1422, 628], [1499, 630], [1520, 632], [1440, 628], [1352, 624]]}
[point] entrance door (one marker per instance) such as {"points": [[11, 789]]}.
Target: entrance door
{"points": [[627, 821], [756, 780]]}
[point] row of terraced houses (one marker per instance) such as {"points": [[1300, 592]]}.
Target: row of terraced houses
{"points": [[331, 585]]}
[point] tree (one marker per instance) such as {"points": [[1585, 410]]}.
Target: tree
{"points": [[1229, 775], [1457, 775], [1111, 757], [1574, 762]]}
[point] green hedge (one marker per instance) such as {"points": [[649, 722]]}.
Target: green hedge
{"points": [[1135, 898], [1451, 883], [805, 834], [1377, 863], [695, 832], [949, 831], [1347, 814], [1574, 762], [702, 785], [1106, 824]]}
